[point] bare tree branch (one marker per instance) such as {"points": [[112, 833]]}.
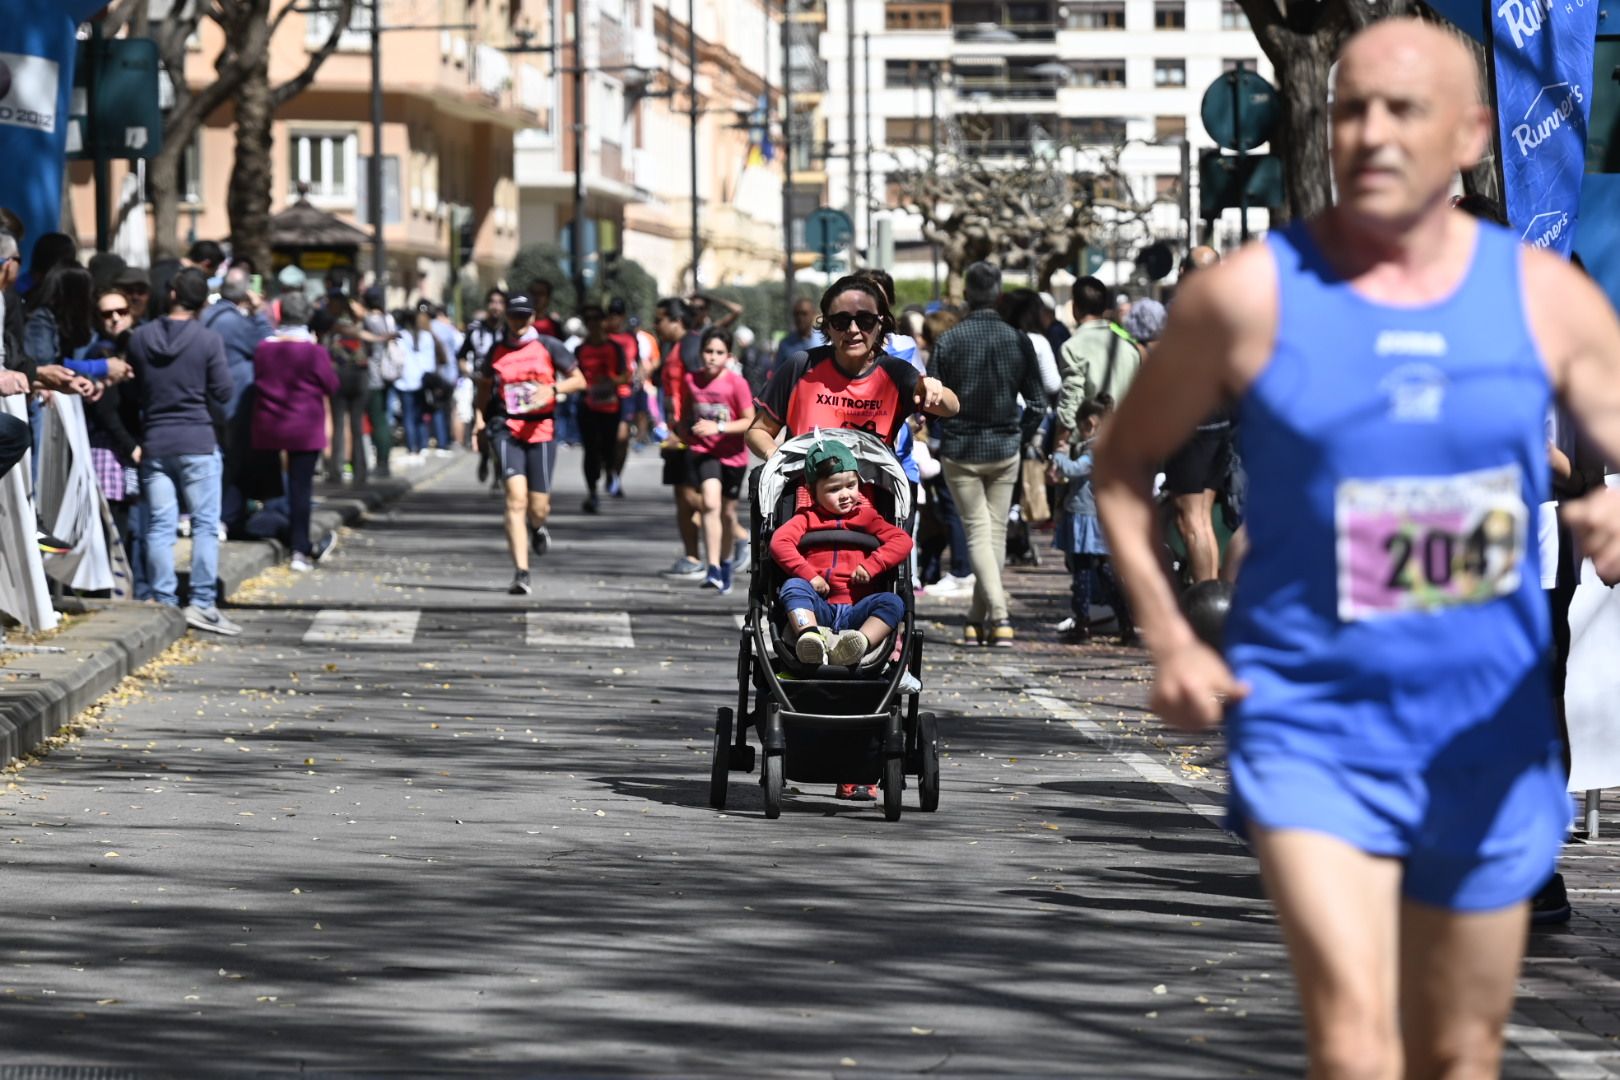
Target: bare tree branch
{"points": [[298, 83]]}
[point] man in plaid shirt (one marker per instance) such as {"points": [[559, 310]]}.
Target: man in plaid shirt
{"points": [[989, 365]]}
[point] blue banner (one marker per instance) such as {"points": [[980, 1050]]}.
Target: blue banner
{"points": [[1543, 56], [37, 44]]}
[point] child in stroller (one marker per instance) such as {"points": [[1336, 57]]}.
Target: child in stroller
{"points": [[835, 611]]}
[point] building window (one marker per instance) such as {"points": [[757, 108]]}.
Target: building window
{"points": [[1098, 73], [356, 36], [1169, 73], [1231, 65], [1232, 16], [909, 74], [1095, 15], [907, 131], [191, 169], [1169, 15], [1169, 128], [327, 162], [1095, 130], [1166, 186]]}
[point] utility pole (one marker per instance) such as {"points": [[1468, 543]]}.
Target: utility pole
{"points": [[787, 153], [849, 162], [933, 159], [577, 232], [374, 167], [866, 123], [691, 70]]}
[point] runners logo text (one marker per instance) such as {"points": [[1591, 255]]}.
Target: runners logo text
{"points": [[1416, 393], [1524, 18], [1545, 229], [1527, 136], [1410, 343]]}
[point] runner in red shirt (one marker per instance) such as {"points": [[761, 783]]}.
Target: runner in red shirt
{"points": [[544, 322], [718, 410], [519, 385], [851, 383], [629, 409], [608, 371]]}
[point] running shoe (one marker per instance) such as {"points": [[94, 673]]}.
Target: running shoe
{"points": [[590, 506], [211, 620], [686, 568], [1001, 635], [848, 649], [714, 579], [325, 546], [615, 487], [301, 563], [50, 545], [811, 648], [520, 584], [725, 576], [540, 540]]}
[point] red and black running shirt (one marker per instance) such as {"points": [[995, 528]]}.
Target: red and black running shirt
{"points": [[812, 392], [602, 364]]}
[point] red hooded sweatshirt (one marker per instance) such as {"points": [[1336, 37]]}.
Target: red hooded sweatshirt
{"points": [[837, 563]]}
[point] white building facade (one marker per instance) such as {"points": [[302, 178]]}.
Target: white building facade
{"points": [[1007, 79]]}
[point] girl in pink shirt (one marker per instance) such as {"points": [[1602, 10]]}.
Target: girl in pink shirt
{"points": [[719, 406]]}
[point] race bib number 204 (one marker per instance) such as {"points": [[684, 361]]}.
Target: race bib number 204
{"points": [[1424, 544]]}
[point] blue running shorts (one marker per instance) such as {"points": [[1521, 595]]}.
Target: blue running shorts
{"points": [[1473, 838]]}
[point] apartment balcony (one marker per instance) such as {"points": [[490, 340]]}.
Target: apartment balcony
{"points": [[996, 90], [813, 12], [916, 15]]}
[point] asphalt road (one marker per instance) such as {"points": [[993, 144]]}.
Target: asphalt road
{"points": [[467, 833]]}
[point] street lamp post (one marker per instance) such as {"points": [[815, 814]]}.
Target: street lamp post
{"points": [[374, 168], [692, 113], [577, 231], [787, 152]]}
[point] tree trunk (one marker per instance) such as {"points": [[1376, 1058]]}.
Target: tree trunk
{"points": [[163, 188], [248, 200]]}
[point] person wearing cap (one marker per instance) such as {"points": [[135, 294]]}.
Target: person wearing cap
{"points": [[518, 387], [836, 611], [136, 284]]}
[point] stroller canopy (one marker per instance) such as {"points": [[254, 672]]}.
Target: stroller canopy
{"points": [[877, 462]]}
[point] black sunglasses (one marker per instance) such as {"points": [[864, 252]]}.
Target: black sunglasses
{"points": [[110, 313], [866, 320]]}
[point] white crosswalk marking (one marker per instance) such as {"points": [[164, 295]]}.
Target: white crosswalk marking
{"points": [[581, 630], [336, 627]]}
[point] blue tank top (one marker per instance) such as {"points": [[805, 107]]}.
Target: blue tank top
{"points": [[1391, 613]]}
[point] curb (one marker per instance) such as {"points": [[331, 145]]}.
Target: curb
{"points": [[41, 693]]}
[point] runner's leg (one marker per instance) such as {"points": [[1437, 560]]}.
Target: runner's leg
{"points": [[1198, 533], [686, 519], [517, 530], [709, 501], [1338, 908], [1458, 971], [730, 529], [542, 466]]}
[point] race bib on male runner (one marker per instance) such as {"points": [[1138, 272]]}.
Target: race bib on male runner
{"points": [[527, 398], [1425, 544]]}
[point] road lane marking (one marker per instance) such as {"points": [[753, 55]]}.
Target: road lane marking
{"points": [[335, 626], [581, 630]]}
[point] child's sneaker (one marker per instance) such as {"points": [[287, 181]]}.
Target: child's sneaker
{"points": [[715, 579], [848, 649], [811, 648]]}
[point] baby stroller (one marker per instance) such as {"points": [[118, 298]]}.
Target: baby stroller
{"points": [[826, 724]]}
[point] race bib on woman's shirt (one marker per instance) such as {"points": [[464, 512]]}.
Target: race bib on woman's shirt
{"points": [[527, 398], [1425, 544]]}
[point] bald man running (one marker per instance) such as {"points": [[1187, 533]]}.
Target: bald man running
{"points": [[1392, 751]]}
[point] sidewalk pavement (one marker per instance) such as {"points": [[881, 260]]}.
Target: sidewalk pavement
{"points": [[106, 641]]}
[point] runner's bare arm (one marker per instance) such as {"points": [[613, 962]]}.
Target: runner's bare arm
{"points": [[572, 383], [1219, 334], [761, 434], [1579, 337]]}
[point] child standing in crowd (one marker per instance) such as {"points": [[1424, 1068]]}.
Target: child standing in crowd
{"points": [[833, 608], [1079, 533], [719, 408]]}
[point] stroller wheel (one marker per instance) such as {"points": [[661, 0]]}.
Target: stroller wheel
{"points": [[894, 786], [928, 762], [720, 760], [771, 780]]}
